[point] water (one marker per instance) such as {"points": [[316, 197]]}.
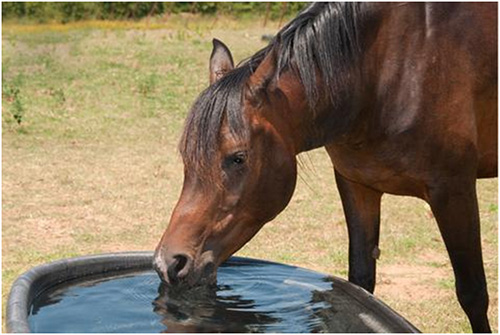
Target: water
{"points": [[250, 297]]}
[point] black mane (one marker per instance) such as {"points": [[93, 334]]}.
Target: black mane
{"points": [[322, 39]]}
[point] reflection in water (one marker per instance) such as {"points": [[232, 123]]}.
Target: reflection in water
{"points": [[202, 310], [250, 297]]}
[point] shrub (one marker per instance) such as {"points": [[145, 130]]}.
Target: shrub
{"points": [[75, 11]]}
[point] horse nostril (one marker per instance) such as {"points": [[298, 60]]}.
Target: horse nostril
{"points": [[179, 267], [181, 262]]}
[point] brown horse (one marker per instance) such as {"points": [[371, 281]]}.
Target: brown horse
{"points": [[402, 96]]}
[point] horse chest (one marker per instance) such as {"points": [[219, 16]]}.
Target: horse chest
{"points": [[386, 169]]}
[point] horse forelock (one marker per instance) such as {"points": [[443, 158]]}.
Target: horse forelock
{"points": [[220, 104]]}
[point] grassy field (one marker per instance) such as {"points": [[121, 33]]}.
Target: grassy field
{"points": [[91, 117]]}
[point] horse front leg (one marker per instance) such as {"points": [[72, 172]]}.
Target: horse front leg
{"points": [[454, 204], [362, 212]]}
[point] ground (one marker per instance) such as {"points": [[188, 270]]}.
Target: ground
{"points": [[91, 118]]}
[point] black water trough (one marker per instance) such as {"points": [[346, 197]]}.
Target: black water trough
{"points": [[121, 293]]}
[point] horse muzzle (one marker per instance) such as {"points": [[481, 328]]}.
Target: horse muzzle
{"points": [[180, 269]]}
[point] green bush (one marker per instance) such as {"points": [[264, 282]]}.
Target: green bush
{"points": [[75, 11]]}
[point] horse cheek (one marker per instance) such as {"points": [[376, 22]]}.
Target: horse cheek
{"points": [[278, 184]]}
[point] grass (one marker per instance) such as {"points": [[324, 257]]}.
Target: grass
{"points": [[93, 166]]}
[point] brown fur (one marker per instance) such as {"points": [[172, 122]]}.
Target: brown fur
{"points": [[415, 115]]}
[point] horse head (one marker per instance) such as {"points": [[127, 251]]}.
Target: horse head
{"points": [[239, 169]]}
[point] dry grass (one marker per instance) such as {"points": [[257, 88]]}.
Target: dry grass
{"points": [[93, 167]]}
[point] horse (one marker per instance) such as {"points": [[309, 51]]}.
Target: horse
{"points": [[403, 96]]}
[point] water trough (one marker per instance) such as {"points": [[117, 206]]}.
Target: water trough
{"points": [[121, 293]]}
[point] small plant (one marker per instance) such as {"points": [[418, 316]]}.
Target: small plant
{"points": [[12, 94], [147, 85], [18, 110], [493, 208], [58, 95]]}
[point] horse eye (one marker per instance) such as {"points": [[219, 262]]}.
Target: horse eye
{"points": [[238, 158]]}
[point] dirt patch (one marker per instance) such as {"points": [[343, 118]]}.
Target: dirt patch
{"points": [[410, 282], [422, 280]]}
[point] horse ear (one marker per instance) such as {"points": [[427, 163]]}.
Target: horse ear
{"points": [[264, 73], [221, 61]]}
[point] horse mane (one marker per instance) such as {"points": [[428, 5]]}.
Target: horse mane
{"points": [[322, 40]]}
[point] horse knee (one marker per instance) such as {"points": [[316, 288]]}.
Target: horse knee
{"points": [[474, 301]]}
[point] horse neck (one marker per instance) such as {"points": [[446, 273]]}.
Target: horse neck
{"points": [[339, 109], [310, 127]]}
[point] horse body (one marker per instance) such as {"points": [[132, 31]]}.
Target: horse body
{"points": [[430, 130], [402, 96], [430, 101]]}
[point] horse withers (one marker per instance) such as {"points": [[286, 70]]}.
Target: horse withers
{"points": [[402, 96]]}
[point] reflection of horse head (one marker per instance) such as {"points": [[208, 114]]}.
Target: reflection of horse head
{"points": [[200, 310], [402, 96]]}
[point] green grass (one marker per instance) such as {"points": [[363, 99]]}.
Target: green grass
{"points": [[93, 165]]}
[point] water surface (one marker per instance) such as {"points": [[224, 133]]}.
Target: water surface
{"points": [[250, 297]]}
